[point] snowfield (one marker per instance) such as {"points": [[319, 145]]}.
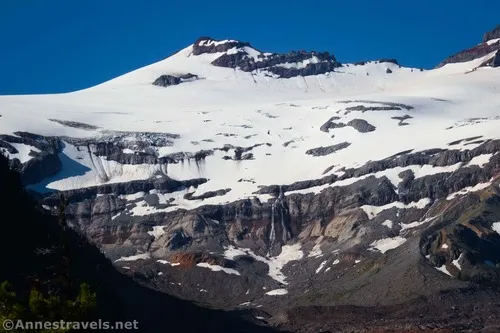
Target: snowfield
{"points": [[236, 108]]}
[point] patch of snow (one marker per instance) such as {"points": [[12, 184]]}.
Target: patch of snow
{"points": [[128, 151], [288, 253], [443, 270], [456, 262], [387, 223], [493, 41], [469, 189], [321, 267], [141, 256], [373, 211], [316, 250], [336, 262], [277, 292], [160, 273], [327, 269], [445, 246], [405, 226], [428, 170], [132, 197], [386, 244], [357, 261], [157, 231], [496, 227], [215, 43], [300, 65], [23, 152], [217, 268], [166, 262], [480, 160]]}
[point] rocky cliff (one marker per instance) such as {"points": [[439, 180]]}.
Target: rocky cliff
{"points": [[489, 45]]}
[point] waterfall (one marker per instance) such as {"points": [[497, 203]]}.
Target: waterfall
{"points": [[278, 203], [272, 235], [280, 198]]}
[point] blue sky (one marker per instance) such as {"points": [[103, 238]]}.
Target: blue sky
{"points": [[64, 45]]}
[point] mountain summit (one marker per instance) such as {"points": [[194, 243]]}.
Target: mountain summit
{"points": [[244, 57]]}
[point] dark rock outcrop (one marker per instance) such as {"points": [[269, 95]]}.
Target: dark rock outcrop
{"points": [[164, 184], [172, 80], [477, 51], [40, 167], [402, 119], [361, 125], [392, 61], [206, 195], [271, 63], [9, 148], [464, 242], [364, 108], [75, 124], [470, 54], [322, 151], [143, 146], [496, 60], [275, 189], [210, 45], [493, 34], [398, 105], [320, 62], [43, 164], [331, 124]]}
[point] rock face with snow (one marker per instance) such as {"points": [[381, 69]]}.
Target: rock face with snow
{"points": [[262, 186], [35, 156], [487, 48], [243, 56], [473, 53], [493, 34]]}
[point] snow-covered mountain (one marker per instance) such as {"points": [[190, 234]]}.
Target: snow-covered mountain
{"points": [[296, 179]]}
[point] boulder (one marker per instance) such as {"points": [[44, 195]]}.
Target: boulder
{"points": [[172, 80]]}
